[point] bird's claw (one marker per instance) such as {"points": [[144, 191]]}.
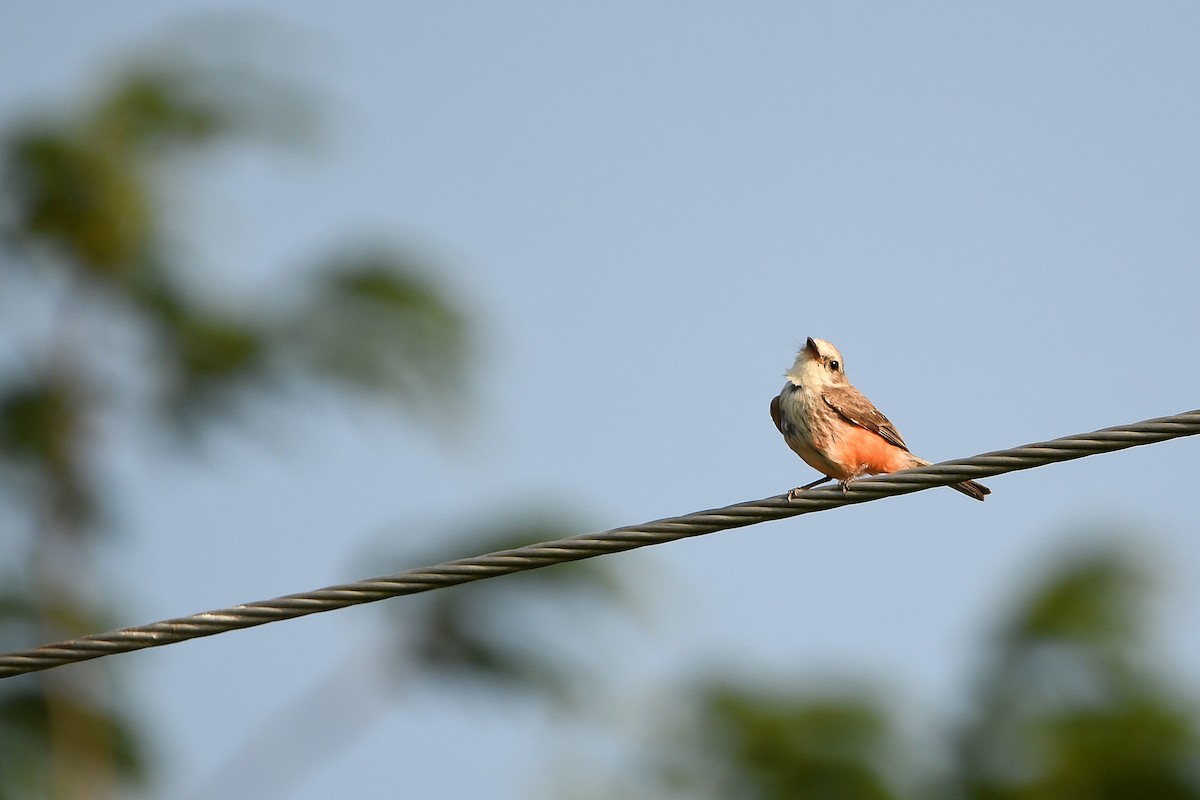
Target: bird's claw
{"points": [[799, 490]]}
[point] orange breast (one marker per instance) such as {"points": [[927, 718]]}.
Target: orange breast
{"points": [[858, 449]]}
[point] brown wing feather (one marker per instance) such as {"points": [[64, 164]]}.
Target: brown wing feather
{"points": [[775, 413], [857, 409]]}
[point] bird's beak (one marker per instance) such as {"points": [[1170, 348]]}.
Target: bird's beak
{"points": [[811, 346]]}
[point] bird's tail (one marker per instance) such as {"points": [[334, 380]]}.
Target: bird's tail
{"points": [[969, 488], [972, 489]]}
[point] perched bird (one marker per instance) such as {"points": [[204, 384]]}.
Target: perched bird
{"points": [[835, 429]]}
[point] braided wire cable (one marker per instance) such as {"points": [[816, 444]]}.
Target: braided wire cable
{"points": [[575, 548]]}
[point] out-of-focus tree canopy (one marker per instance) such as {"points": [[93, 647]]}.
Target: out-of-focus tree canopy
{"points": [[84, 235], [1068, 705], [112, 318]]}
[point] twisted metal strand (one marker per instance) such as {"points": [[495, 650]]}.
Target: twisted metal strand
{"points": [[617, 540]]}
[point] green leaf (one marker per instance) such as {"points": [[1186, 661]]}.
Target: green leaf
{"points": [[1070, 707], [470, 632], [376, 324], [86, 204], [40, 431], [152, 109], [28, 717], [1095, 600], [751, 743]]}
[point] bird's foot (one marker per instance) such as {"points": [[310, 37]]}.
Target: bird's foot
{"points": [[795, 493], [845, 485]]}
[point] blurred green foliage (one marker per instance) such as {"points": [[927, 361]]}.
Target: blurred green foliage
{"points": [[502, 634], [782, 747], [1068, 705], [85, 221], [33, 728], [533, 637], [369, 325], [1071, 705], [40, 434]]}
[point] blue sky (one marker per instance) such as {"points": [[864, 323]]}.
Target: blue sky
{"points": [[989, 208]]}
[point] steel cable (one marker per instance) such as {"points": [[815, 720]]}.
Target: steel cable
{"points": [[574, 548]]}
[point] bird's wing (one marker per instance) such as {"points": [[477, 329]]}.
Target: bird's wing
{"points": [[851, 405], [775, 413]]}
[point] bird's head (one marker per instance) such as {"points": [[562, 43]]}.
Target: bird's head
{"points": [[818, 364]]}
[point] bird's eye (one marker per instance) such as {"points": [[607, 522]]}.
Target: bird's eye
{"points": [[833, 365]]}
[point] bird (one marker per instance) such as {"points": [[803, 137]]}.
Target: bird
{"points": [[836, 429]]}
